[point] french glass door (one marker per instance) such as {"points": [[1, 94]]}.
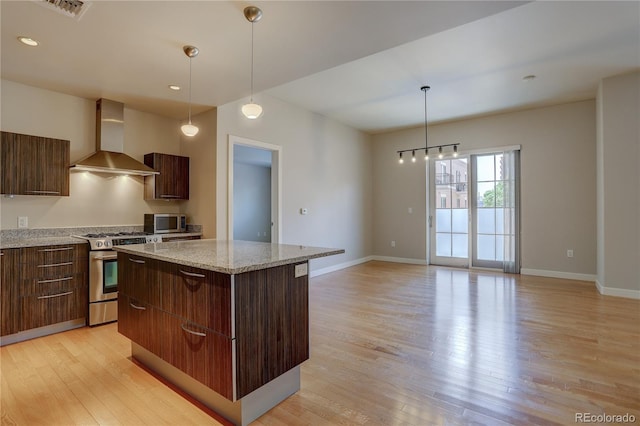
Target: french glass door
{"points": [[473, 213], [449, 212]]}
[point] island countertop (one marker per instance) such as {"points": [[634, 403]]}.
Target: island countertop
{"points": [[228, 256]]}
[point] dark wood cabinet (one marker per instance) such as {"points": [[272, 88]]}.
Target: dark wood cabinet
{"points": [[53, 284], [140, 322], [34, 165], [173, 181], [200, 352], [202, 319], [43, 286], [9, 306], [272, 325]]}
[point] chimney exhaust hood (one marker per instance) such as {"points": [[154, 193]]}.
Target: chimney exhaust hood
{"points": [[109, 156]]}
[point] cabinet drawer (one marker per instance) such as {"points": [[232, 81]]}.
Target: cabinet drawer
{"points": [[201, 353], [140, 322], [138, 278], [54, 254], [49, 270], [199, 296], [49, 285], [52, 308]]}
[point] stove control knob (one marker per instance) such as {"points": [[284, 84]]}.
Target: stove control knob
{"points": [[155, 239], [98, 243], [107, 243]]}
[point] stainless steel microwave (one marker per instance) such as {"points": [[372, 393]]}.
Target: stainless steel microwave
{"points": [[164, 223]]}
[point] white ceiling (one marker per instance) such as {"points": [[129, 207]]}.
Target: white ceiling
{"points": [[359, 62]]}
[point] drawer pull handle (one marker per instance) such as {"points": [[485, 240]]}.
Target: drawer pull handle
{"points": [[169, 196], [192, 274], [35, 191], [56, 249], [140, 308], [55, 295], [55, 280], [136, 261], [55, 264], [195, 333]]}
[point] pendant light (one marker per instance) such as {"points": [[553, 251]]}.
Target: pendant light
{"points": [[426, 139], [189, 129], [252, 110]]}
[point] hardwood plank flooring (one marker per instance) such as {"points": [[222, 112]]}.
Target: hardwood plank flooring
{"points": [[391, 344]]}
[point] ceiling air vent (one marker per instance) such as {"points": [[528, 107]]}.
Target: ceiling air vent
{"points": [[71, 8]]}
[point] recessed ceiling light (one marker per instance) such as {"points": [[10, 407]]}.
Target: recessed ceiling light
{"points": [[529, 77], [174, 87], [28, 41]]}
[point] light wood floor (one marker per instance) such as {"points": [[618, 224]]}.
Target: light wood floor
{"points": [[391, 344]]}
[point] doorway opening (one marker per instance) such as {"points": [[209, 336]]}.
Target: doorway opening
{"points": [[254, 190]]}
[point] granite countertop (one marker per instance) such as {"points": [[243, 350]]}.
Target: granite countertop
{"points": [[229, 257], [57, 236], [7, 243]]}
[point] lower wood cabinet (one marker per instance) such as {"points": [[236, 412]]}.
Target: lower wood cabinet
{"points": [[52, 308], [43, 286], [203, 319], [200, 352], [10, 308], [140, 322]]}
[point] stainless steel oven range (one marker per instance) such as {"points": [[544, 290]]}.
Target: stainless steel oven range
{"points": [[103, 271]]}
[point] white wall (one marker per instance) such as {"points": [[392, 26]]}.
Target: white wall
{"points": [[558, 181], [95, 199], [252, 202], [326, 169], [619, 185], [201, 150]]}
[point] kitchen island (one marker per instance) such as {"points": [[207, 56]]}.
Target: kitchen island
{"points": [[225, 321]]}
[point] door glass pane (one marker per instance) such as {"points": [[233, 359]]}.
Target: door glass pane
{"points": [[486, 168], [460, 245], [499, 221], [443, 244], [486, 221], [486, 247], [443, 220], [460, 222]]}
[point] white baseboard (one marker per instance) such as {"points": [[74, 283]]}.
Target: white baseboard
{"points": [[339, 266], [558, 274], [617, 292], [400, 260]]}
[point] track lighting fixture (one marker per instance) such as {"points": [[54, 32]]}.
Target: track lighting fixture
{"points": [[252, 110], [426, 140], [189, 129]]}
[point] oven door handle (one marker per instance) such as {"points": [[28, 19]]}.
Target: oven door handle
{"points": [[105, 257]]}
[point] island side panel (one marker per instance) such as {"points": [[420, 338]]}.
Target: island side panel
{"points": [[272, 325]]}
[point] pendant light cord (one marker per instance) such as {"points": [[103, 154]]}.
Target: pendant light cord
{"points": [[251, 98], [189, 89], [426, 140]]}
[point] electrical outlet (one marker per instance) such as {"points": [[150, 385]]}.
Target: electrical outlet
{"points": [[569, 253], [393, 243], [23, 222]]}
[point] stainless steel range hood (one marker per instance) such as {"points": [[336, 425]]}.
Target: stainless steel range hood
{"points": [[109, 156]]}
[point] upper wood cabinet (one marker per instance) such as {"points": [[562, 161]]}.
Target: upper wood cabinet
{"points": [[173, 181], [34, 165]]}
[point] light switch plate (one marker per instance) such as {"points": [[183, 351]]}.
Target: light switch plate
{"points": [[301, 270]]}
